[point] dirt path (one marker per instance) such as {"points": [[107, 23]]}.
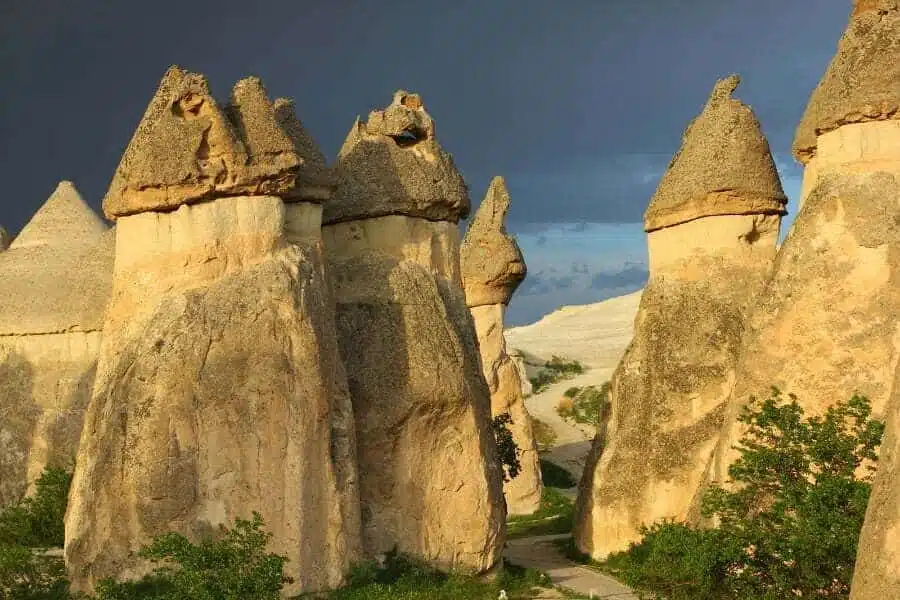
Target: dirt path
{"points": [[541, 553], [573, 442]]}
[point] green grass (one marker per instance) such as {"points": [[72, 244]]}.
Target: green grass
{"points": [[552, 475], [554, 516], [403, 578]]}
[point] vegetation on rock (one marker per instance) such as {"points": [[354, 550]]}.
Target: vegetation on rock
{"points": [[789, 521], [586, 405], [554, 370]]}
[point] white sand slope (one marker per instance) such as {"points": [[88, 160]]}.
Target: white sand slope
{"points": [[595, 335]]}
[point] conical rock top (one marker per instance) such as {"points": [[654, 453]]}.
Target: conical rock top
{"points": [[315, 181], [392, 165], [491, 262], [65, 219], [724, 167], [184, 150], [272, 165], [860, 83]]}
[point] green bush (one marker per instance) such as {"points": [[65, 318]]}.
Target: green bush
{"points": [[788, 526], [552, 475], [589, 405], [234, 567], [554, 370], [27, 573], [37, 521], [507, 451]]}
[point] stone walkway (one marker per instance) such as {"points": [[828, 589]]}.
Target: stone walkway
{"points": [[542, 554]]}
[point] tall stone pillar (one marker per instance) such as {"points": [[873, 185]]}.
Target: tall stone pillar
{"points": [[430, 483], [492, 268], [712, 226], [220, 390]]}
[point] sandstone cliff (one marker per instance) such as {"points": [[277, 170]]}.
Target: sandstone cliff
{"points": [[219, 388], [430, 483], [712, 228], [492, 268], [56, 285]]}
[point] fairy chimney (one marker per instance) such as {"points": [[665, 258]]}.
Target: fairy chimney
{"points": [[851, 120], [189, 425], [430, 483], [57, 276], [492, 268], [712, 227]]}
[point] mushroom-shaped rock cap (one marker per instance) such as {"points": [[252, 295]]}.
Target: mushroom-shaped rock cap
{"points": [[392, 165], [491, 262], [315, 181], [184, 150], [724, 167], [188, 149], [63, 220], [862, 82]]}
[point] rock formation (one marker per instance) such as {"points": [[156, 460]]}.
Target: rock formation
{"points": [[492, 268], [4, 239], [849, 139], [219, 388], [430, 484], [825, 327], [712, 226], [56, 285]]}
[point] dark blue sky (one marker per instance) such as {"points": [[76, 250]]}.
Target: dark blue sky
{"points": [[579, 103]]}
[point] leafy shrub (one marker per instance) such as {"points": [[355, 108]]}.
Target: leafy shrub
{"points": [[35, 523], [552, 475], [507, 451], [788, 527], [586, 405], [554, 370], [231, 568]]}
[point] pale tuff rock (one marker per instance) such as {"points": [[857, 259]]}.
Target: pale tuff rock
{"points": [[825, 326], [56, 285], [189, 425], [724, 167], [491, 261], [876, 575], [860, 83], [430, 483], [492, 268], [706, 271], [188, 149], [392, 165]]}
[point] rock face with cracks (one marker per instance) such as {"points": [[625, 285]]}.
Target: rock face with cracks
{"points": [[492, 268], [430, 483], [190, 425], [57, 278], [712, 228]]}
